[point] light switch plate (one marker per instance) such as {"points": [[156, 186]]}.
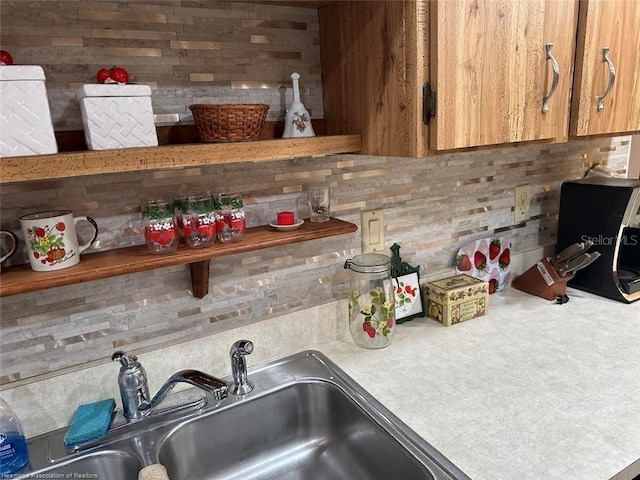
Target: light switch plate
{"points": [[372, 231]]}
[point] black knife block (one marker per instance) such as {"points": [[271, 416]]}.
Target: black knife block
{"points": [[543, 281]]}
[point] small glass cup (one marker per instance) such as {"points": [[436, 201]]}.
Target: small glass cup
{"points": [[160, 227], [230, 218], [199, 221], [319, 204]]}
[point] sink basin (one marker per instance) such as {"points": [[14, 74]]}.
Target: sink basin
{"points": [[305, 420], [310, 430], [103, 464]]}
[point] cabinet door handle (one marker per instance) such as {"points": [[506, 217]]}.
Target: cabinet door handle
{"points": [[556, 77], [612, 77]]}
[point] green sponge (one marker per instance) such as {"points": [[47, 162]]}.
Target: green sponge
{"points": [[90, 421]]}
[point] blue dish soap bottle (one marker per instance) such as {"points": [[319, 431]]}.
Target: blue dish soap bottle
{"points": [[13, 446]]}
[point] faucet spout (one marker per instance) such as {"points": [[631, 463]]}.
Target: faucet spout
{"points": [[136, 399], [212, 385]]}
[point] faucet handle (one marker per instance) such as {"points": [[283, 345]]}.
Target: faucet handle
{"points": [[127, 361]]}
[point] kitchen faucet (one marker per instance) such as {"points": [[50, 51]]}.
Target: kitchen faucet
{"points": [[136, 400]]}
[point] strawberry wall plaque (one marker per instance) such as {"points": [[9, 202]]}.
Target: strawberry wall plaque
{"points": [[487, 259], [406, 285]]}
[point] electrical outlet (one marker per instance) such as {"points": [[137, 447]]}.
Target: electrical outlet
{"points": [[522, 203], [372, 231]]}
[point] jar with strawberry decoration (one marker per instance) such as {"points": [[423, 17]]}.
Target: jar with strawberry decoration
{"points": [[371, 300], [160, 226], [199, 221], [230, 218]]}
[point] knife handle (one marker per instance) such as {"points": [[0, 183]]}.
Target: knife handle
{"points": [[571, 251]]}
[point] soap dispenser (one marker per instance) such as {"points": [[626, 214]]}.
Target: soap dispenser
{"points": [[297, 121], [13, 446]]}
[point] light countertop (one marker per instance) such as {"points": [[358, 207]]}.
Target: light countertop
{"points": [[533, 390]]}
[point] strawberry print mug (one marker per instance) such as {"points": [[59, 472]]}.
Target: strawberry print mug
{"points": [[51, 240]]}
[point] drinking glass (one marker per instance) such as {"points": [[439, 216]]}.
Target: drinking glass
{"points": [[160, 227], [199, 221], [230, 218], [319, 204]]}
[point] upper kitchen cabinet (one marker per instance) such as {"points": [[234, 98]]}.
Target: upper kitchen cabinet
{"points": [[373, 70], [501, 71], [606, 97]]}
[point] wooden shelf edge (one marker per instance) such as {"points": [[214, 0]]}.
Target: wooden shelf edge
{"points": [[95, 266], [75, 164]]}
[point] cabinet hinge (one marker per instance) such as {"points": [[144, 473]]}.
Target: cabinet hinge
{"points": [[428, 103]]}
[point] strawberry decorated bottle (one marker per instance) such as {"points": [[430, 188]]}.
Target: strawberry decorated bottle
{"points": [[372, 306], [160, 226]]}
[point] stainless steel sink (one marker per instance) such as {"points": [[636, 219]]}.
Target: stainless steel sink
{"points": [[309, 430], [111, 464], [305, 419]]}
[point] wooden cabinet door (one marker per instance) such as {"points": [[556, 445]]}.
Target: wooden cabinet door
{"points": [[614, 24], [490, 70]]}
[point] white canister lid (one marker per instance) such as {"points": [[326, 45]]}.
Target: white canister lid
{"points": [[113, 90], [21, 72]]}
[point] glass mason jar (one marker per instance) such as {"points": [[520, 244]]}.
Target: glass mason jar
{"points": [[199, 221], [230, 218], [372, 308], [160, 227]]}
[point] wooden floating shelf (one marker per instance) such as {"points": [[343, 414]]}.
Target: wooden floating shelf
{"points": [[94, 266], [75, 164]]}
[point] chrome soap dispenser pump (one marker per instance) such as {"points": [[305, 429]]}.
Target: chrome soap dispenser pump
{"points": [[132, 381]]}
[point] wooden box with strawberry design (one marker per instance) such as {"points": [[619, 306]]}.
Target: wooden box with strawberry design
{"points": [[457, 299]]}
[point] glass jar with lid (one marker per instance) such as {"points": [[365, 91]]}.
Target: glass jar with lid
{"points": [[372, 316]]}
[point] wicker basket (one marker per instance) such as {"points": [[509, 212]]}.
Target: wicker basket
{"points": [[229, 122]]}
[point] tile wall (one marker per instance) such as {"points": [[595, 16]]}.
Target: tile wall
{"points": [[432, 206], [187, 51]]}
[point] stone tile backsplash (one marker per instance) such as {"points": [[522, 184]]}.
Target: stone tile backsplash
{"points": [[190, 51], [187, 51], [432, 206]]}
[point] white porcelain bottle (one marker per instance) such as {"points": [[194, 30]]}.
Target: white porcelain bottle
{"points": [[297, 121], [13, 446]]}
